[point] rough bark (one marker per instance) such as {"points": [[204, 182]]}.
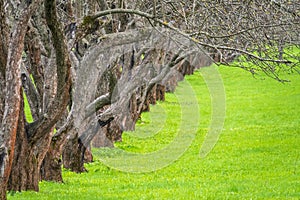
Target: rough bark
{"points": [[20, 126], [36, 141], [27, 160], [73, 155], [160, 92], [3, 59], [51, 166], [114, 132], [52, 163], [12, 96], [4, 32], [88, 156], [76, 150], [101, 140], [102, 4], [34, 91]]}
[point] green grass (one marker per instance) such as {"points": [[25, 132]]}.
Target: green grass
{"points": [[257, 155]]}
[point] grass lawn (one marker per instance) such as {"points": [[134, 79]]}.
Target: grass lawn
{"points": [[257, 155]]}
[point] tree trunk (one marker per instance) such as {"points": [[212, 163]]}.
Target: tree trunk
{"points": [[160, 92], [38, 131], [73, 155], [77, 150], [52, 163], [28, 157], [152, 95], [3, 59], [88, 156], [51, 166], [6, 158], [113, 132], [100, 140], [9, 126]]}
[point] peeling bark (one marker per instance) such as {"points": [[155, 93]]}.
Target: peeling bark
{"points": [[13, 96], [27, 160], [38, 135], [3, 56], [73, 155]]}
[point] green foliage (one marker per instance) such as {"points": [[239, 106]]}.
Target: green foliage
{"points": [[257, 156]]}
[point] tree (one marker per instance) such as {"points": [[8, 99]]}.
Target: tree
{"points": [[11, 52], [24, 153], [227, 20], [50, 50]]}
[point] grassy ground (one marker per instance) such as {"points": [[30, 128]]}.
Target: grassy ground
{"points": [[257, 155]]}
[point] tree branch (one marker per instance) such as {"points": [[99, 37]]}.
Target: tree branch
{"points": [[63, 69], [165, 24]]}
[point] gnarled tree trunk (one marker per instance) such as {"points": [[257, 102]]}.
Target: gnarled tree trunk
{"points": [[34, 138], [25, 174], [5, 164], [52, 163], [73, 155], [12, 73]]}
